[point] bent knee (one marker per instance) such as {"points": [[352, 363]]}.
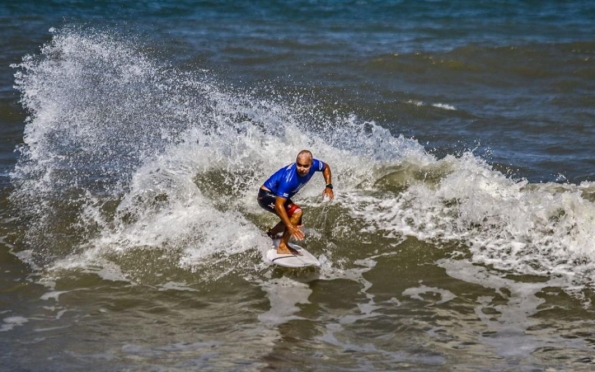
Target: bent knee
{"points": [[294, 210]]}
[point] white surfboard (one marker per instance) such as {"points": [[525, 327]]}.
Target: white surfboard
{"points": [[302, 259]]}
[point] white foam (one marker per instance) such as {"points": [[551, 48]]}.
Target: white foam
{"points": [[177, 287], [444, 106], [53, 295], [11, 322], [416, 103], [415, 293], [542, 229], [284, 295]]}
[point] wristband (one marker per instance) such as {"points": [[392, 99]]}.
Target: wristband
{"points": [[329, 185]]}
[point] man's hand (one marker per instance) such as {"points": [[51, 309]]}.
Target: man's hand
{"points": [[328, 193], [296, 232]]}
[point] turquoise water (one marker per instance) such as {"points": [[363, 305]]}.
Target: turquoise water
{"points": [[135, 137]]}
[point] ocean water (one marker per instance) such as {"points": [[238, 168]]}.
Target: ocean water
{"points": [[135, 135]]}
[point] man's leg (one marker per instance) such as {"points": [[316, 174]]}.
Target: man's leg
{"points": [[277, 229], [295, 219]]}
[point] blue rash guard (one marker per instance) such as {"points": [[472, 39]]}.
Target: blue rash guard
{"points": [[286, 182]]}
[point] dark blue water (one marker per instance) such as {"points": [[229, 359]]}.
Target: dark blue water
{"points": [[513, 70], [133, 136]]}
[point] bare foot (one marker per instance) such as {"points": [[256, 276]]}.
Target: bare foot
{"points": [[284, 249]]}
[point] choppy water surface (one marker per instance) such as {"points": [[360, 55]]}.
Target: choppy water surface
{"points": [[461, 236]]}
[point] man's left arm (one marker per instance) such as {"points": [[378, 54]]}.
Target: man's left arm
{"points": [[328, 190]]}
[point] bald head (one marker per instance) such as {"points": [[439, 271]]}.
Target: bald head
{"points": [[305, 155], [303, 162]]}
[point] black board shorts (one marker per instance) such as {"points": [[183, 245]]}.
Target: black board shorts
{"points": [[266, 200]]}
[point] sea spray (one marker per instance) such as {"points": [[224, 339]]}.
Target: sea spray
{"points": [[123, 153]]}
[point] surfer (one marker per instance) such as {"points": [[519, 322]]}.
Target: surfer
{"points": [[275, 196]]}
